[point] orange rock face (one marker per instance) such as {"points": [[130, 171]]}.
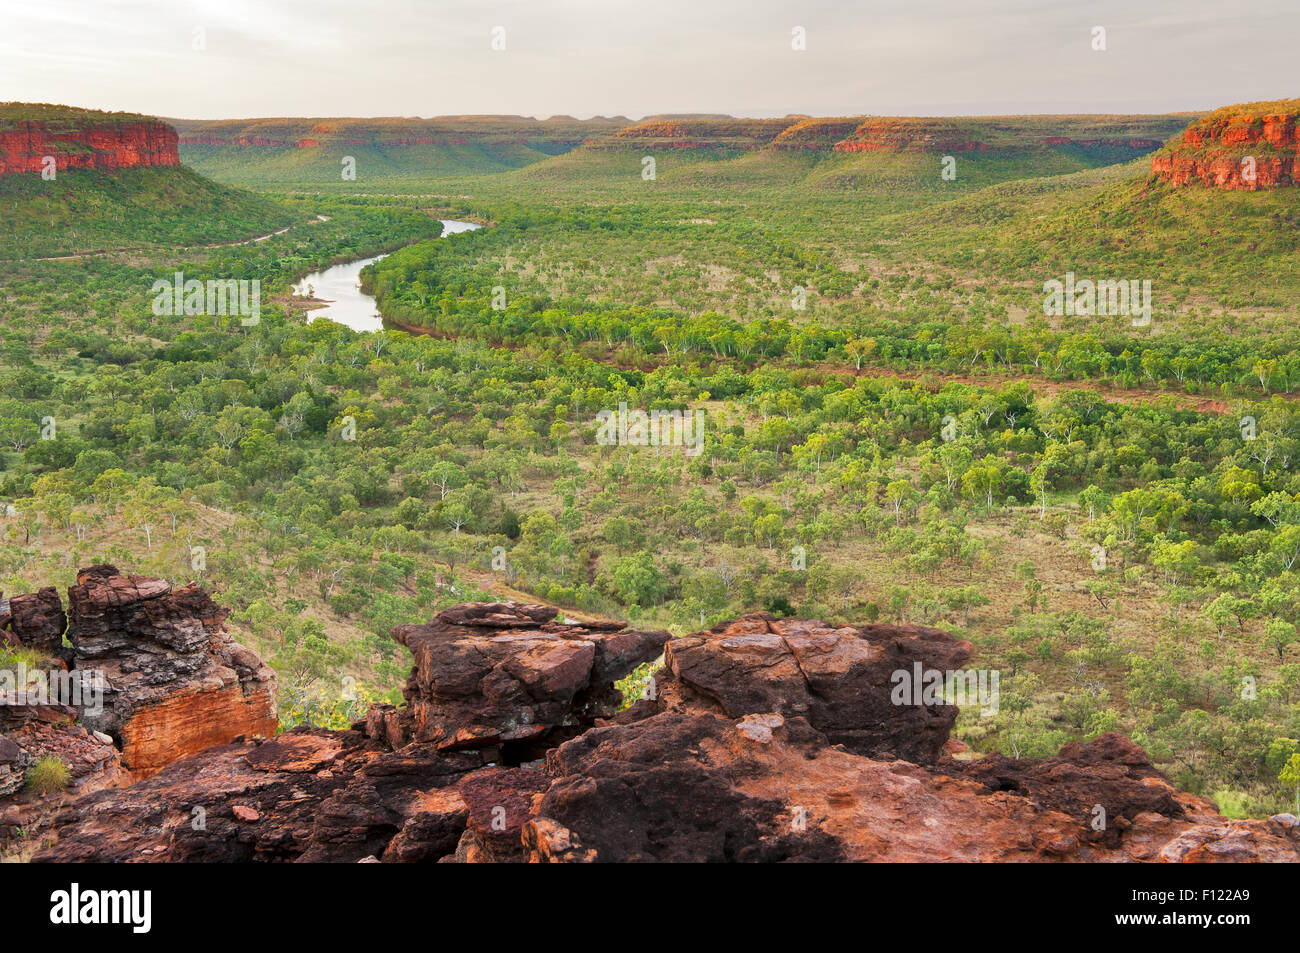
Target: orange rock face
{"points": [[186, 723], [1245, 150], [120, 146]]}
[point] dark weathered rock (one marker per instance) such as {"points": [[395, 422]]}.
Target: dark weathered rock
{"points": [[37, 620], [766, 740], [839, 679], [669, 789], [317, 795], [1105, 783], [492, 674]]}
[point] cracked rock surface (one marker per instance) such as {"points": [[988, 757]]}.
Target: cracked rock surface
{"points": [[761, 740]]}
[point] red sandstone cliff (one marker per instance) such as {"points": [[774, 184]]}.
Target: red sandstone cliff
{"points": [[106, 147], [1243, 148]]}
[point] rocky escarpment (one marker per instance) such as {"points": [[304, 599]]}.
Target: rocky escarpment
{"points": [[724, 133], [1242, 148], [1118, 137], [82, 140], [759, 740], [150, 676], [815, 134]]}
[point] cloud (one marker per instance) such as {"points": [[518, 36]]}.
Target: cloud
{"points": [[582, 57]]}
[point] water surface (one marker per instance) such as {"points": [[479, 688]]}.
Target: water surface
{"points": [[340, 287]]}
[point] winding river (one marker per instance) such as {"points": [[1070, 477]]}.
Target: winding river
{"points": [[339, 289]]}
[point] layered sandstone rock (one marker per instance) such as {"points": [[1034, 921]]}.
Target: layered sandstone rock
{"points": [[761, 740], [152, 677], [174, 680], [1243, 148], [101, 146]]}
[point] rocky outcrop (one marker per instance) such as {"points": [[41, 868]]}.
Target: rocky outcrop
{"points": [[35, 620], [758, 740], [725, 133], [494, 674], [1241, 148], [815, 134], [152, 676], [175, 682], [838, 679], [24, 146]]}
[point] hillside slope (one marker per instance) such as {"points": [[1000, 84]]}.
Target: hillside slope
{"points": [[115, 182]]}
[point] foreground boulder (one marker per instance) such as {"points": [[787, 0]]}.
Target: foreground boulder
{"points": [[492, 674], [758, 740], [35, 620], [839, 679], [174, 680], [152, 676]]}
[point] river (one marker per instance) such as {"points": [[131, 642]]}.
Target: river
{"points": [[339, 287]]}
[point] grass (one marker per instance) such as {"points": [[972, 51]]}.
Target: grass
{"points": [[47, 775], [85, 211]]}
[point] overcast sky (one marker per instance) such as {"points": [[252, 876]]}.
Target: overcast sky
{"points": [[585, 57]]}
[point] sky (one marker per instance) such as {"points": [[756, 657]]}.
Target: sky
{"points": [[214, 59]]}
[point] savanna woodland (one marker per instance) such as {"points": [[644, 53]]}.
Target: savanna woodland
{"points": [[897, 424]]}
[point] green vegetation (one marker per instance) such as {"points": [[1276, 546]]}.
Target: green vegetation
{"points": [[83, 212], [48, 774], [62, 117], [1110, 513]]}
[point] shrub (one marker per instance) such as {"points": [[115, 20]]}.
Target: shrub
{"points": [[47, 775]]}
